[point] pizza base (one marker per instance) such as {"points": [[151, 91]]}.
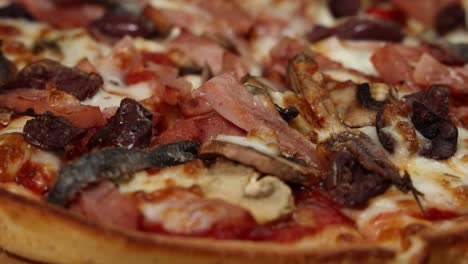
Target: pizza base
{"points": [[41, 232], [45, 233]]}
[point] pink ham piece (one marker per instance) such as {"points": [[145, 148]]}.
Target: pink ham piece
{"points": [[75, 14], [236, 104], [392, 65], [418, 66], [104, 204], [201, 128], [429, 71], [201, 50], [55, 101], [229, 12], [423, 10], [204, 51]]}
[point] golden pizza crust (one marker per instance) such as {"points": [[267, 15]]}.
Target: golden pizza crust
{"points": [[41, 232]]}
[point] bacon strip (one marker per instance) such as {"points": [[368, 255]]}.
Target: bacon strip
{"points": [[236, 104]]}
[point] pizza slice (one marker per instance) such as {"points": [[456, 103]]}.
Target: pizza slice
{"points": [[233, 131]]}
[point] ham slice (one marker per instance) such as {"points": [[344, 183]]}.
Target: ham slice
{"points": [[417, 65], [236, 104], [55, 101], [65, 16], [187, 212], [392, 65], [201, 50], [229, 12], [204, 51], [201, 128], [429, 71], [423, 10], [104, 204]]}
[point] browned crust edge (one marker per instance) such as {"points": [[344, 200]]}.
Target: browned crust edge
{"points": [[45, 233], [445, 246]]}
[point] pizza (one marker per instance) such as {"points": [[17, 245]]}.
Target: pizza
{"points": [[216, 131]]}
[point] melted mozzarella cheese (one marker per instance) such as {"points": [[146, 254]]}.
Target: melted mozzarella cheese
{"points": [[441, 182], [16, 125], [167, 177], [352, 54], [74, 45], [252, 142]]}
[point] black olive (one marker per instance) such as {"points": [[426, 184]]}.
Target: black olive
{"points": [[288, 113], [130, 127], [16, 10], [190, 70], [36, 75], [341, 8], [118, 25], [318, 33], [50, 132], [365, 98], [369, 29], [449, 18]]}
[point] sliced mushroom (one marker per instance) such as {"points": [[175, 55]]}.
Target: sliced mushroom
{"points": [[266, 198], [274, 165], [357, 105], [305, 78]]}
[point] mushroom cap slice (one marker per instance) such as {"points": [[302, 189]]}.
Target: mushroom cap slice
{"points": [[284, 169], [266, 198]]}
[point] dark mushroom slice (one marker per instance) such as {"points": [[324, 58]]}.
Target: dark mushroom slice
{"points": [[115, 164], [284, 169]]}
